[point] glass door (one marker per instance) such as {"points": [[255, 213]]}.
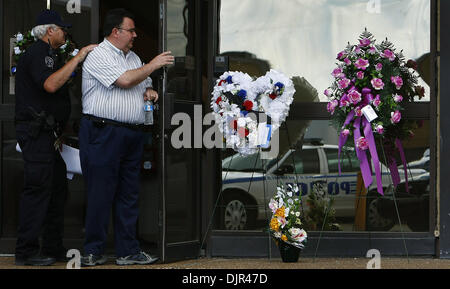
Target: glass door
{"points": [[180, 171]]}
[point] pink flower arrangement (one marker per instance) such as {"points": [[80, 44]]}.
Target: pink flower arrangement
{"points": [[398, 81], [345, 132], [377, 83], [344, 101], [337, 73], [354, 96], [341, 55], [344, 83], [362, 144], [374, 76], [396, 116], [331, 106], [388, 54], [397, 98], [379, 66], [362, 64], [372, 50], [380, 129], [365, 42], [377, 101]]}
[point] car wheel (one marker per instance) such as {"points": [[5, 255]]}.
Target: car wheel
{"points": [[236, 213], [374, 221]]}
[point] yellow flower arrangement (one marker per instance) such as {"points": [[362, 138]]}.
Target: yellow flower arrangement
{"points": [[274, 225], [285, 224], [280, 212]]}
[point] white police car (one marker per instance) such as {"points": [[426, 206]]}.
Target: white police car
{"points": [[248, 183]]}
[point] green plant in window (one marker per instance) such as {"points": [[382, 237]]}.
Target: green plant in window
{"points": [[320, 215]]}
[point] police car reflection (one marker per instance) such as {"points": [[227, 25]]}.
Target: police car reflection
{"points": [[248, 183], [412, 206]]}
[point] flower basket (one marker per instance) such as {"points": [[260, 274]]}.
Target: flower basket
{"points": [[285, 225], [288, 253]]}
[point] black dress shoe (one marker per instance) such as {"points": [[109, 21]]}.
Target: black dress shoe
{"points": [[36, 261], [61, 256]]}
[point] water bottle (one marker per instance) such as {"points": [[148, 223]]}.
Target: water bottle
{"points": [[148, 111]]}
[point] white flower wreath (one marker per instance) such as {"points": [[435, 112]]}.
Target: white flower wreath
{"points": [[233, 98], [276, 94], [236, 95]]}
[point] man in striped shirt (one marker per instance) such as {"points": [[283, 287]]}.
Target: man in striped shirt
{"points": [[115, 84]]}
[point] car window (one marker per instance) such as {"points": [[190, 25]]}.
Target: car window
{"points": [[353, 160], [246, 163], [348, 162], [306, 161]]}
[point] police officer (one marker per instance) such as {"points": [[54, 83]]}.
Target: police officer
{"points": [[42, 111]]}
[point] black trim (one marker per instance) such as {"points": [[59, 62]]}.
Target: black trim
{"points": [[182, 251], [212, 169], [1, 106], [444, 239], [434, 74], [256, 244], [318, 111]]}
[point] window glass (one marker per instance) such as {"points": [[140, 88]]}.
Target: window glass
{"points": [[306, 161], [302, 38], [347, 161], [247, 189], [242, 163]]}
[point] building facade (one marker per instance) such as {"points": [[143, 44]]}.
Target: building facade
{"points": [[197, 200]]}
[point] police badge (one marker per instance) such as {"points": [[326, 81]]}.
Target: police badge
{"points": [[49, 62]]}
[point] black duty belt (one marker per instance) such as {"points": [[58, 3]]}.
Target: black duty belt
{"points": [[104, 121]]}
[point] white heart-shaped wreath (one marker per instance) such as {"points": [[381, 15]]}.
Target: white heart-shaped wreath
{"points": [[236, 95]]}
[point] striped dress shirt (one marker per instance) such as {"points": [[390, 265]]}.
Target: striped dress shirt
{"points": [[101, 98]]}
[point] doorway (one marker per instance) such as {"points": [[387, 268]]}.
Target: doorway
{"points": [[169, 221]]}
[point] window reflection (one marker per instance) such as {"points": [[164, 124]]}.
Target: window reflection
{"points": [[249, 183], [302, 38]]}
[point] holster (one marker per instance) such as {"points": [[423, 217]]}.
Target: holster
{"points": [[42, 122]]}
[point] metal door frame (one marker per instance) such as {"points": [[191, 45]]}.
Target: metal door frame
{"points": [[187, 249]]}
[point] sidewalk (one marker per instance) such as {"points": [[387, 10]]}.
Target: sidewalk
{"points": [[303, 263]]}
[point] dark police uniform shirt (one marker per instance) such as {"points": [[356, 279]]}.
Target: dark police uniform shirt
{"points": [[34, 67]]}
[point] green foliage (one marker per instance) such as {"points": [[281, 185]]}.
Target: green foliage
{"points": [[320, 214]]}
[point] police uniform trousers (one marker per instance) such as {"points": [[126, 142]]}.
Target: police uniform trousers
{"points": [[41, 211], [110, 158]]}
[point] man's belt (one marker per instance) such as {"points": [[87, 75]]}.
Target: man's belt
{"points": [[106, 121]]}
